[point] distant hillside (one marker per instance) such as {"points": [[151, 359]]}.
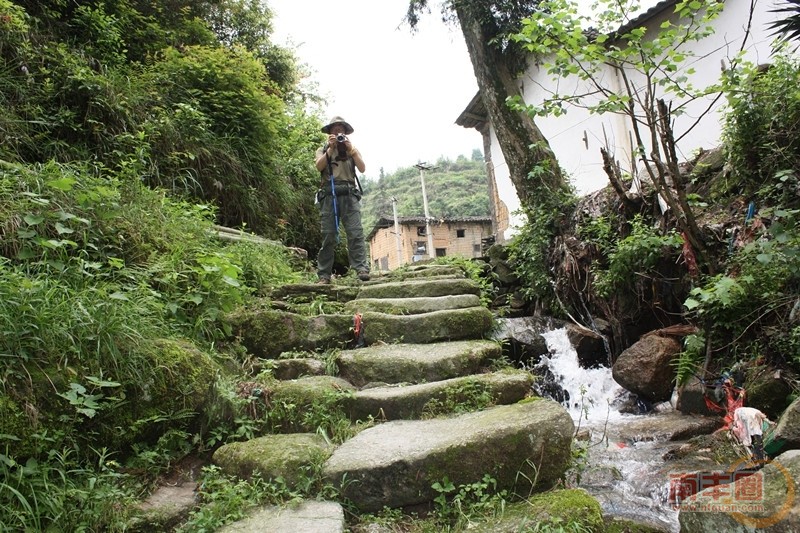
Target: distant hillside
{"points": [[454, 188]]}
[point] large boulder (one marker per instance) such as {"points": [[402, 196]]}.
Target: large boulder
{"points": [[645, 368], [395, 464]]}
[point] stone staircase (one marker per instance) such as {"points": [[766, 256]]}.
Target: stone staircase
{"points": [[427, 355]]}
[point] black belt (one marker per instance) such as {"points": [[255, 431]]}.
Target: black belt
{"points": [[342, 189]]}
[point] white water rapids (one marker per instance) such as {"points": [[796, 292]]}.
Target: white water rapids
{"points": [[626, 477]]}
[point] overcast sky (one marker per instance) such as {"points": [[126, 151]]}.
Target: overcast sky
{"points": [[402, 92]]}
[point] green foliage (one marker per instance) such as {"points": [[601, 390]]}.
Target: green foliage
{"points": [[599, 231], [63, 492], [689, 362], [749, 303], [634, 255], [318, 305], [224, 499], [530, 249], [203, 119], [556, 31], [472, 270], [262, 266], [762, 129], [87, 289], [457, 505]]}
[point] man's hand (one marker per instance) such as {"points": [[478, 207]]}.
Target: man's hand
{"points": [[332, 144]]}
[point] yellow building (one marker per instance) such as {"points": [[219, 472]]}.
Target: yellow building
{"points": [[462, 237]]}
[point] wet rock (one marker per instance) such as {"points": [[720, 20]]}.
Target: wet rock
{"points": [[667, 426], [523, 336], [412, 306], [589, 345], [645, 368], [692, 399], [556, 507], [165, 508], [436, 326], [420, 288]]}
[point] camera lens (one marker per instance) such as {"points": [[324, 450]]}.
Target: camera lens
{"points": [[340, 137]]}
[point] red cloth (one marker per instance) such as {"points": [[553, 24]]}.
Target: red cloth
{"points": [[734, 399]]}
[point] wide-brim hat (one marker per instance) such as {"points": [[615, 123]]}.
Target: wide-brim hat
{"points": [[348, 129]]}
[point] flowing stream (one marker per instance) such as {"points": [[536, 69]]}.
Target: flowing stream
{"points": [[625, 475]]}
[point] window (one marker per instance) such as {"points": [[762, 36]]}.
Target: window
{"points": [[421, 231], [460, 233], [441, 252], [476, 249]]}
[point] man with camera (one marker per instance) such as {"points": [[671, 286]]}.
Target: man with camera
{"points": [[339, 199]]}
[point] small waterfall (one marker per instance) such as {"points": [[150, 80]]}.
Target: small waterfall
{"points": [[621, 475], [589, 393]]}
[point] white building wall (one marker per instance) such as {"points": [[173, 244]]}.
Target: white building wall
{"points": [[577, 136]]}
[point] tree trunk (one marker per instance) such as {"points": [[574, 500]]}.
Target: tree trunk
{"points": [[532, 165]]}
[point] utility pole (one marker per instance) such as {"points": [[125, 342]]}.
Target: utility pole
{"points": [[422, 168], [397, 233]]}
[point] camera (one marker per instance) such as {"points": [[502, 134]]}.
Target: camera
{"points": [[341, 137]]}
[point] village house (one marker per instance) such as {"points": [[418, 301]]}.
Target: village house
{"points": [[394, 245], [577, 136]]}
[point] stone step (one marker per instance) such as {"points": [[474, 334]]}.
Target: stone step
{"points": [[406, 402], [416, 363], [426, 271], [308, 516], [306, 292], [420, 288], [425, 328], [395, 464], [267, 332], [412, 306]]}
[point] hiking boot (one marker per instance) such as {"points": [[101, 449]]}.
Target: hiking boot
{"points": [[363, 275], [324, 280]]}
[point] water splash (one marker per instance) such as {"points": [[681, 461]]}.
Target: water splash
{"points": [[590, 393]]}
